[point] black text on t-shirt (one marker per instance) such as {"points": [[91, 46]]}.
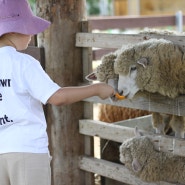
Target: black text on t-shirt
{"points": [[5, 82]]}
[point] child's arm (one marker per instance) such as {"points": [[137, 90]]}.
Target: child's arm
{"points": [[68, 95]]}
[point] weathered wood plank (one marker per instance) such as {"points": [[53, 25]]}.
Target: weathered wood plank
{"points": [[107, 131], [66, 144], [102, 40], [122, 22], [143, 123], [98, 53], [112, 170], [149, 101], [121, 133], [88, 107]]}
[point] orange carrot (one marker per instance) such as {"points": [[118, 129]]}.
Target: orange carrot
{"points": [[119, 97]]}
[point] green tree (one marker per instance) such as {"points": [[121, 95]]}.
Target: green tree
{"points": [[93, 7], [32, 3]]}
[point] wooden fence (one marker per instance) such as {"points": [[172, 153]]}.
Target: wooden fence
{"points": [[126, 22], [144, 101]]}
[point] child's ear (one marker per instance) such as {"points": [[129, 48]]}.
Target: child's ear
{"points": [[91, 77]]}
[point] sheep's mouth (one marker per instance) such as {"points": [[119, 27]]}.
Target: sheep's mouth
{"points": [[125, 95], [119, 97]]}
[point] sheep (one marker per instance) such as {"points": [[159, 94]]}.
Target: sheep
{"points": [[155, 65], [151, 31], [111, 114], [105, 71], [139, 155]]}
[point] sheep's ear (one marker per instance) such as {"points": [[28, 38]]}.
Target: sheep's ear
{"points": [[137, 132], [136, 166], [91, 77], [143, 61]]}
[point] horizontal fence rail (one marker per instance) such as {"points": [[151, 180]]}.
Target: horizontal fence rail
{"points": [[124, 22], [103, 40], [119, 133], [111, 42], [112, 170], [103, 43]]}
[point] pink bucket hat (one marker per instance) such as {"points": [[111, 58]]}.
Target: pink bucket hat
{"points": [[16, 16]]}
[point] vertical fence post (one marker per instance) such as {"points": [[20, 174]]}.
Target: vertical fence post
{"points": [[63, 63], [179, 21]]}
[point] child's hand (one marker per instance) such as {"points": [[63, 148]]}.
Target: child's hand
{"points": [[104, 90]]}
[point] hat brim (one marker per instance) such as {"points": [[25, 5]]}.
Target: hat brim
{"points": [[28, 26]]}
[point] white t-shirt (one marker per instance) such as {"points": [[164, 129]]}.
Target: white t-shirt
{"points": [[24, 86]]}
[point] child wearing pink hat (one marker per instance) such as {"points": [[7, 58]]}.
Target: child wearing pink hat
{"points": [[24, 87]]}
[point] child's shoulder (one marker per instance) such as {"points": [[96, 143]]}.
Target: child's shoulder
{"points": [[23, 57]]}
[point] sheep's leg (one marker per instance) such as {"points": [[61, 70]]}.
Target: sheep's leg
{"points": [[157, 123], [178, 125], [160, 122], [166, 121]]}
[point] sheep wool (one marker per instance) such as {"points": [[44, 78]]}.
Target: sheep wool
{"points": [[105, 70], [160, 66], [139, 155]]}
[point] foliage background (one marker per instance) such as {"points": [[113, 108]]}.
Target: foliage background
{"points": [[32, 3], [93, 6]]}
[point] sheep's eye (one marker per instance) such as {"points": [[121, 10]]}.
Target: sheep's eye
{"points": [[133, 68]]}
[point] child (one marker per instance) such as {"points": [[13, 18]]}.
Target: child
{"points": [[24, 87]]}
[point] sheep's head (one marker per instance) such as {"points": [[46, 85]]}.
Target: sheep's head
{"points": [[140, 157], [135, 152], [105, 71], [140, 66], [128, 66]]}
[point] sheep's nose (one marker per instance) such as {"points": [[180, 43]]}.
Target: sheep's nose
{"points": [[123, 91], [120, 92]]}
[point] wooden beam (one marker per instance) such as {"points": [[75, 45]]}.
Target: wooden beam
{"points": [[64, 66], [121, 133], [102, 40], [125, 22], [149, 101], [112, 170]]}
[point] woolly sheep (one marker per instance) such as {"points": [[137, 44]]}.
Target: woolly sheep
{"points": [[111, 114], [143, 160], [155, 65], [105, 73]]}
